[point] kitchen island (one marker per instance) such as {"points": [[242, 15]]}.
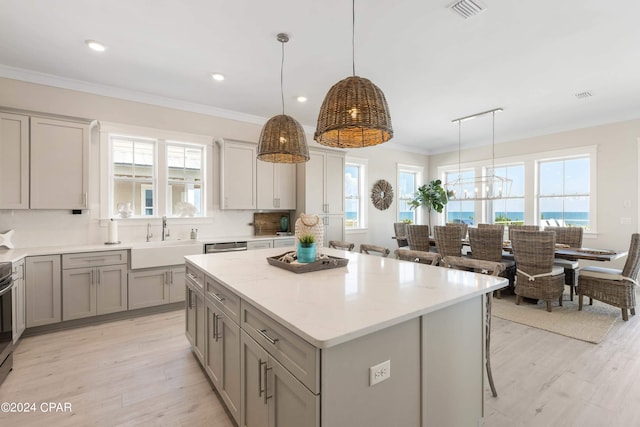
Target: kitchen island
{"points": [[379, 342]]}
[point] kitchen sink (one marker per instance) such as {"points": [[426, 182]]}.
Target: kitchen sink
{"points": [[163, 253]]}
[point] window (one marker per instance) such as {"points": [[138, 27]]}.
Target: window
{"points": [[133, 171], [354, 187], [184, 176], [458, 209], [152, 173], [564, 192], [408, 182], [510, 209]]}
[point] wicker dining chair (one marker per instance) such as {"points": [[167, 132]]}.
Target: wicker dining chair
{"points": [[486, 244], [400, 230], [537, 277], [422, 257], [418, 236], [448, 241], [337, 244], [521, 227], [462, 226], [572, 237], [485, 267], [612, 286], [368, 249]]}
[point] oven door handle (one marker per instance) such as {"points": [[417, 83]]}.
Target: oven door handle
{"points": [[5, 290]]}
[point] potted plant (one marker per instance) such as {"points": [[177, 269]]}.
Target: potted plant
{"points": [[307, 248], [432, 196]]}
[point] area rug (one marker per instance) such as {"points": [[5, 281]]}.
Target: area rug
{"points": [[591, 324]]}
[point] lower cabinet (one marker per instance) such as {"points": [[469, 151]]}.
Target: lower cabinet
{"points": [[195, 321], [18, 299], [222, 357], [91, 291], [159, 286], [271, 395], [43, 290]]}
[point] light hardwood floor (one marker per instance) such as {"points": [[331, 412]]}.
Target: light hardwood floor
{"points": [[141, 372]]}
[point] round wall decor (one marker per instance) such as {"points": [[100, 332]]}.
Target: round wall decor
{"points": [[382, 194]]}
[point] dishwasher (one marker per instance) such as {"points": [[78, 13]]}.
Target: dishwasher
{"points": [[214, 248]]}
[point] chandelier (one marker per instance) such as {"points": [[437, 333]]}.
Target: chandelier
{"points": [[486, 187]]}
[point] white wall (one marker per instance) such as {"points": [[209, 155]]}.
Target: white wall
{"points": [[382, 164], [617, 173]]}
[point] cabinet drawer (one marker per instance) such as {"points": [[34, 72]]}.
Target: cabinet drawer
{"points": [[223, 298], [194, 277], [93, 259], [298, 356]]}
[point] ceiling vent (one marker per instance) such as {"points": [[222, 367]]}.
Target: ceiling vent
{"points": [[467, 8], [583, 95]]}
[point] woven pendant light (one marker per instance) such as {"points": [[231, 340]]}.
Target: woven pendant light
{"points": [[282, 139], [354, 113]]}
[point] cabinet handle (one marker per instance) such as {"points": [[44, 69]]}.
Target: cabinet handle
{"points": [[218, 297], [84, 200], [266, 383], [97, 278], [215, 327], [263, 332], [260, 391], [189, 299]]}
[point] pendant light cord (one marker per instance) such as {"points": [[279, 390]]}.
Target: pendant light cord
{"points": [[353, 36], [282, 77], [493, 143]]}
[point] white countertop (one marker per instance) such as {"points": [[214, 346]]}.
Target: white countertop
{"points": [[333, 306]]}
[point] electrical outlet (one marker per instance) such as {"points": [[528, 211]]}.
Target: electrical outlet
{"points": [[379, 372]]}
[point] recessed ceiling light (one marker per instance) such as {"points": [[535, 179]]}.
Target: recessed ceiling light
{"points": [[217, 77], [301, 99], [94, 45]]}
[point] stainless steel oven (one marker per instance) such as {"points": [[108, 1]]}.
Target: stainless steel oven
{"points": [[6, 319]]}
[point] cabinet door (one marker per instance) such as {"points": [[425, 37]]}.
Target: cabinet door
{"points": [[201, 334], [291, 404], [265, 185], [334, 184], [315, 183], [78, 293], [176, 284], [259, 244], [14, 161], [59, 164], [238, 176], [254, 411], [190, 314], [43, 290], [230, 352], [19, 320], [285, 185], [148, 288], [111, 289], [213, 342]]}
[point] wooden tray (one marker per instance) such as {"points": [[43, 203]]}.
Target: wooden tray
{"points": [[296, 267]]}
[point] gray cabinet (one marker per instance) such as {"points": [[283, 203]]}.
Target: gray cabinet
{"points": [[276, 185], [195, 312], [222, 357], [59, 164], [14, 161], [93, 283], [18, 299], [259, 244], [43, 290], [271, 395], [321, 191], [237, 175], [157, 286]]}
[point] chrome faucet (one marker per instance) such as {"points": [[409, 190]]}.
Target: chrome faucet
{"points": [[165, 230], [149, 235]]}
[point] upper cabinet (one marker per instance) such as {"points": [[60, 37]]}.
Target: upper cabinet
{"points": [[59, 164], [237, 175], [14, 161], [321, 183], [276, 185], [44, 162]]}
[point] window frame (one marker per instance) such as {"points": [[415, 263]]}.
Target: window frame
{"points": [[362, 165], [163, 138], [418, 171]]}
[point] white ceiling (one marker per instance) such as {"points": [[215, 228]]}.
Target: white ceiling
{"points": [[529, 57]]}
